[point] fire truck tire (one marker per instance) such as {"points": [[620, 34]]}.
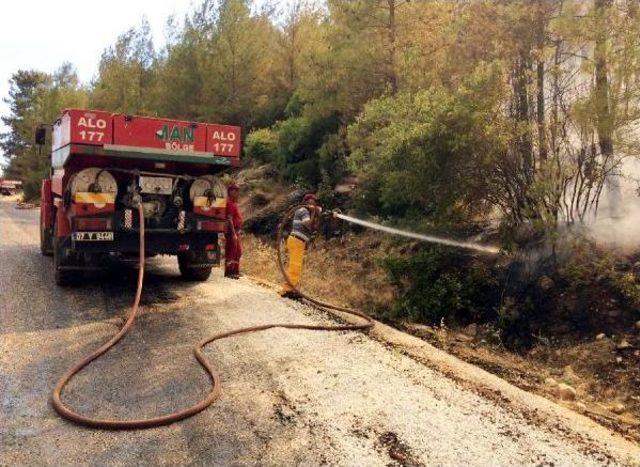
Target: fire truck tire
{"points": [[63, 278], [191, 267], [46, 240]]}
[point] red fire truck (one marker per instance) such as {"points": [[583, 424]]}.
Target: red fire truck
{"points": [[104, 165]]}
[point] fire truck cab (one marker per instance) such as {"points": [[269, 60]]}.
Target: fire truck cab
{"points": [[104, 165]]}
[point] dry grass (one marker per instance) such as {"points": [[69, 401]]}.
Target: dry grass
{"points": [[343, 271]]}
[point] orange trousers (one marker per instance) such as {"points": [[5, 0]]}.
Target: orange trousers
{"points": [[296, 248]]}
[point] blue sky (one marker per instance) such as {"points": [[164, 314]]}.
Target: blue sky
{"points": [[44, 34]]}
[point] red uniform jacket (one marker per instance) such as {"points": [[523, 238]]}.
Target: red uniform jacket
{"points": [[233, 246], [234, 213]]}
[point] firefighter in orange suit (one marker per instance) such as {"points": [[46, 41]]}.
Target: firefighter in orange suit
{"points": [[233, 247], [305, 222]]}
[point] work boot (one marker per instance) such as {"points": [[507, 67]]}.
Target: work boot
{"points": [[291, 294]]}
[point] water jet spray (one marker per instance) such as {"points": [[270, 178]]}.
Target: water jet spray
{"points": [[425, 238]]}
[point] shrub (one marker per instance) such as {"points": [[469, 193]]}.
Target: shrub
{"points": [[574, 290], [591, 266], [430, 152], [261, 145], [436, 284], [332, 158], [299, 139]]}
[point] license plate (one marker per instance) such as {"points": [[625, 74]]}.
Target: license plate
{"points": [[156, 185], [92, 236]]}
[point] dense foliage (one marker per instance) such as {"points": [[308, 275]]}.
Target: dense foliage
{"points": [[435, 285], [431, 152]]}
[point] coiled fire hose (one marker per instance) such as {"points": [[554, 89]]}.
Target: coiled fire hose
{"points": [[214, 393]]}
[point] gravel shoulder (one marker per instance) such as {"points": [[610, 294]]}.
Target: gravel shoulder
{"points": [[288, 397]]}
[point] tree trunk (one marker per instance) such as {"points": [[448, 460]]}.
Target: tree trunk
{"points": [[540, 71], [542, 137], [393, 77], [521, 112], [604, 114]]}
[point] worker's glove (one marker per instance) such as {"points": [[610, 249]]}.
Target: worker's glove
{"points": [[326, 215]]}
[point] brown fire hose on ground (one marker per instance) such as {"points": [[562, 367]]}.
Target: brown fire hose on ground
{"points": [[115, 424]]}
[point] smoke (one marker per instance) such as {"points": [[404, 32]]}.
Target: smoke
{"points": [[617, 222], [425, 238]]}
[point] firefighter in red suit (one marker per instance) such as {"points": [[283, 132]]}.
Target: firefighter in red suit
{"points": [[233, 248]]}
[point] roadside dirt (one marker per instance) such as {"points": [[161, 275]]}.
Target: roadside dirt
{"points": [[606, 379]]}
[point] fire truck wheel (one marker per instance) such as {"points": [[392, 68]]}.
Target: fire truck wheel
{"points": [[46, 240], [192, 268], [63, 277]]}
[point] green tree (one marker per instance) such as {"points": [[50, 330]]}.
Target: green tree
{"points": [[178, 85], [23, 87], [126, 73], [36, 98], [357, 60], [238, 67], [429, 154]]}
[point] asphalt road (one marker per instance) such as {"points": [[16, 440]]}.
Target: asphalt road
{"points": [[289, 397]]}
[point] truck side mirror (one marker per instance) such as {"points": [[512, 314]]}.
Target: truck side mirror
{"points": [[41, 135]]}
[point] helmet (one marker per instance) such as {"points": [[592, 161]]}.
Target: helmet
{"points": [[310, 197]]}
